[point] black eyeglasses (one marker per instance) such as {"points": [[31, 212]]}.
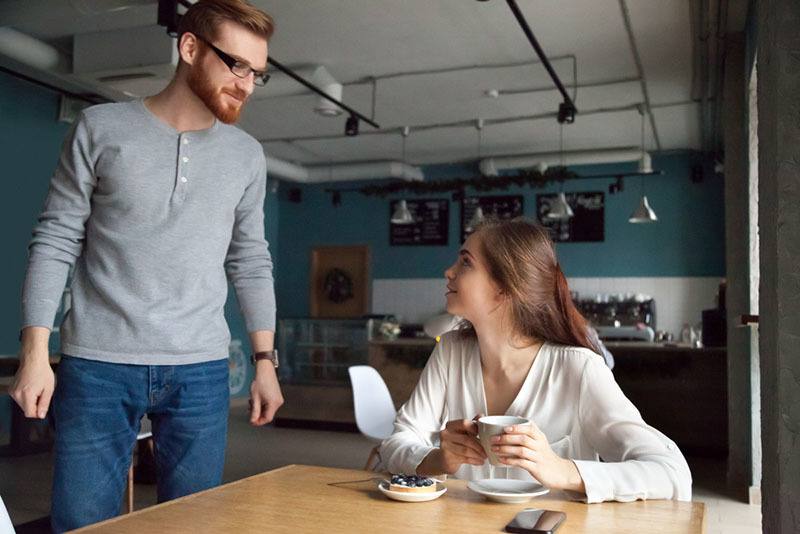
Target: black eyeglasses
{"points": [[239, 68]]}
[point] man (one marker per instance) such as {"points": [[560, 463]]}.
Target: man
{"points": [[154, 201]]}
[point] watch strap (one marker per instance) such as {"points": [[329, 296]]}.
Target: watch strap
{"points": [[271, 355]]}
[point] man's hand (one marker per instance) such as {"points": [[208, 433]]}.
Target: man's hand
{"points": [[34, 382], [265, 394]]}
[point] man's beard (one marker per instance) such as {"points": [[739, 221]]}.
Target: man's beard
{"points": [[201, 85]]}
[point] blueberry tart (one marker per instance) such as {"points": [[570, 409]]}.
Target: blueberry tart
{"points": [[412, 484]]}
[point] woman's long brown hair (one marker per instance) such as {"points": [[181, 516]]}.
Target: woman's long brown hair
{"points": [[521, 259]]}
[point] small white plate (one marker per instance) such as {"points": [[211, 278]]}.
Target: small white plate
{"points": [[507, 490], [410, 496]]}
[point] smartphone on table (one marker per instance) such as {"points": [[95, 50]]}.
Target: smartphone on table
{"points": [[536, 521]]}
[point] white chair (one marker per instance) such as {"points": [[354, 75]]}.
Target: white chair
{"points": [[374, 409], [5, 521]]}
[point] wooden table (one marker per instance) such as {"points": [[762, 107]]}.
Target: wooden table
{"points": [[299, 498]]}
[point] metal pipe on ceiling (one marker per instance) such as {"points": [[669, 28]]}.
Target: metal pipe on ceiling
{"points": [[526, 29], [626, 19], [543, 89], [470, 123]]}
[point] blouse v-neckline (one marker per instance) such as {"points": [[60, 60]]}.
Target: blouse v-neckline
{"points": [[523, 388]]}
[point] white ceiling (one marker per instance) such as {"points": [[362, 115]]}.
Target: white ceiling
{"points": [[357, 40]]}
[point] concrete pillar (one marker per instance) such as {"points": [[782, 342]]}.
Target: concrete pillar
{"points": [[737, 265], [779, 224]]}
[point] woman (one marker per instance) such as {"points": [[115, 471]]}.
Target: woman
{"points": [[523, 350]]}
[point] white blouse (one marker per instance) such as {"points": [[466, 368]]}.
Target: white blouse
{"points": [[571, 396]]}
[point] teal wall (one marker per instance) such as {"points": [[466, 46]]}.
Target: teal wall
{"points": [[688, 240], [30, 141]]}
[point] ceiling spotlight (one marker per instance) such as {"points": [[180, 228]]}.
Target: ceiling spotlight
{"points": [[351, 126], [566, 113], [617, 186]]}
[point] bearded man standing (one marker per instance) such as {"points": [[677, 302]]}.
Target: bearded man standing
{"points": [[154, 202]]}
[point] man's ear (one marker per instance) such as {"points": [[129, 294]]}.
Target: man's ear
{"points": [[188, 48]]}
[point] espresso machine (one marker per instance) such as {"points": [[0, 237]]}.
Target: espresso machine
{"points": [[620, 317]]}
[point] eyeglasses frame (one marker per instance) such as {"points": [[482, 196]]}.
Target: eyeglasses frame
{"points": [[231, 62]]}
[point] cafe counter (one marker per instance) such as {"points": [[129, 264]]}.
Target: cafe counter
{"points": [[678, 389]]}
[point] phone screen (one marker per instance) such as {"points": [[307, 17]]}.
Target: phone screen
{"points": [[534, 521]]}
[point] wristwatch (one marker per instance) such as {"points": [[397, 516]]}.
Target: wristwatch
{"points": [[271, 355]]}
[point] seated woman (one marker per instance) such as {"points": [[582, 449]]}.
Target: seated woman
{"points": [[523, 350]]}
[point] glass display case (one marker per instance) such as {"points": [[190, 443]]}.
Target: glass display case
{"points": [[319, 351]]}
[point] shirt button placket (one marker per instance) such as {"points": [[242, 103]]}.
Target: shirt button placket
{"points": [[183, 168]]}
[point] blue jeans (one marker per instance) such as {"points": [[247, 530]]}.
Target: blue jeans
{"points": [[96, 410]]}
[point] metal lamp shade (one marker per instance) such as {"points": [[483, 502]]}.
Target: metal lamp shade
{"points": [[644, 213], [560, 210], [477, 218], [401, 214]]}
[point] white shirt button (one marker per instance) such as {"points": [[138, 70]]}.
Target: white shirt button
{"points": [[183, 179], [184, 159], [185, 141]]}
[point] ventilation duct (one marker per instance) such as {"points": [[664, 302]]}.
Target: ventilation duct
{"points": [[286, 170], [31, 51], [96, 7], [365, 171], [493, 166], [109, 58], [344, 172]]}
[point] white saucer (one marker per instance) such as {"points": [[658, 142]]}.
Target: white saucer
{"points": [[507, 490], [409, 496]]}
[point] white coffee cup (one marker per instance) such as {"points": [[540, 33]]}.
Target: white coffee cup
{"points": [[494, 425]]}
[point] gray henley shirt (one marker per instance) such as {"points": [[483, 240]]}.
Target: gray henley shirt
{"points": [[153, 220]]}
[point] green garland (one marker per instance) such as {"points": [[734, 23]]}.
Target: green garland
{"points": [[529, 177]]}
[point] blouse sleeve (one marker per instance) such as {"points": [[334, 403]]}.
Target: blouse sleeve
{"points": [[639, 462], [419, 421]]}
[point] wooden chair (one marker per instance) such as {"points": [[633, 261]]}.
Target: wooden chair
{"points": [[145, 433]]}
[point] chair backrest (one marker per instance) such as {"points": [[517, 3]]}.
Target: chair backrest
{"points": [[373, 404], [5, 521]]}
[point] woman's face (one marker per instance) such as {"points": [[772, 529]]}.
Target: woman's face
{"points": [[471, 291]]}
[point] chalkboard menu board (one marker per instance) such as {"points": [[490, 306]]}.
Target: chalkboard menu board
{"points": [[430, 227], [497, 207], [588, 224]]}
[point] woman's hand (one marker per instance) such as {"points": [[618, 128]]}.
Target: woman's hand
{"points": [[527, 447], [458, 445]]}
